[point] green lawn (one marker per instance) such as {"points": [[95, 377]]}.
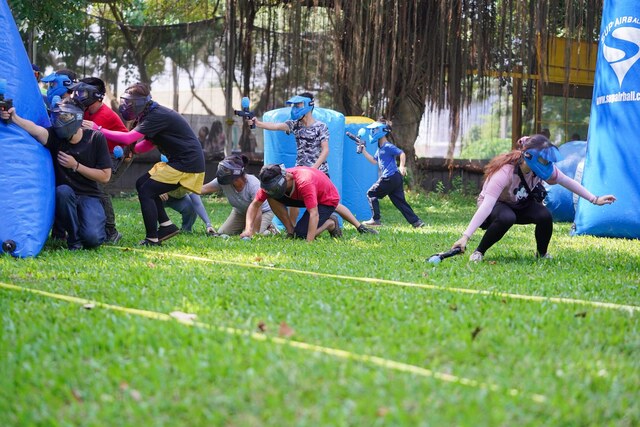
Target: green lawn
{"points": [[359, 331]]}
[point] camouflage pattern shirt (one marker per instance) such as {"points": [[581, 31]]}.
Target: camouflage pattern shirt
{"points": [[309, 142]]}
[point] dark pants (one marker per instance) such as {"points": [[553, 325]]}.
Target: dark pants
{"points": [[393, 187], [119, 167], [110, 224], [185, 207], [302, 226], [82, 217], [503, 216], [151, 205]]}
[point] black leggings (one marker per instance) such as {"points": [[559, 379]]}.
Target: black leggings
{"points": [[503, 216], [152, 208]]}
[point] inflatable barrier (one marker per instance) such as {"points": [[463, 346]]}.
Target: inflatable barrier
{"points": [[27, 183], [613, 154], [559, 200], [358, 175]]}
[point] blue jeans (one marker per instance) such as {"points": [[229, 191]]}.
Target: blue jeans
{"points": [[82, 217], [185, 207]]}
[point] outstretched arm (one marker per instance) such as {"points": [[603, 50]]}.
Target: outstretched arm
{"points": [[268, 125], [482, 213], [210, 187], [122, 138], [575, 187], [38, 132]]}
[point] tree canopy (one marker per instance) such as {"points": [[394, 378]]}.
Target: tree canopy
{"points": [[373, 57]]}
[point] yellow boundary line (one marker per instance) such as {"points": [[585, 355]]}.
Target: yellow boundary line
{"points": [[559, 300], [341, 354]]}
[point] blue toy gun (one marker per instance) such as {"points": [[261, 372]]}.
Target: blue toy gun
{"points": [[5, 104], [245, 113]]}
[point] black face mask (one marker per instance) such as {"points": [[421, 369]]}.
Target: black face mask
{"points": [[276, 187], [66, 124], [227, 174], [131, 106]]}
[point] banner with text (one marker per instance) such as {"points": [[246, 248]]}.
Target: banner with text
{"points": [[612, 164]]}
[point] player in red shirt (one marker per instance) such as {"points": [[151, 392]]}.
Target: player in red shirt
{"points": [[300, 186]]}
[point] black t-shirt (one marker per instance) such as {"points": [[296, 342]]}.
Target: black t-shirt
{"points": [[91, 151], [173, 136]]}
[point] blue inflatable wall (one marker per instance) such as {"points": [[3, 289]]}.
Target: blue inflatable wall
{"points": [[27, 183], [613, 154], [560, 200], [358, 175]]}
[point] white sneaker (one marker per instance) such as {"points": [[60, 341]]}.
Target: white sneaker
{"points": [[545, 256], [476, 256]]}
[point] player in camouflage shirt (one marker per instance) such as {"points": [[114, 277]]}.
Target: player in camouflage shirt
{"points": [[312, 136]]}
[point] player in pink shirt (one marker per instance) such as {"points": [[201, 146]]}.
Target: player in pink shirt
{"points": [[513, 194]]}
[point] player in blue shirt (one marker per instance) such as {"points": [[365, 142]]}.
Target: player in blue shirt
{"points": [[390, 182]]}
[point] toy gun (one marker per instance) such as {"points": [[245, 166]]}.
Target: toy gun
{"points": [[245, 113], [5, 104], [359, 142], [436, 258]]}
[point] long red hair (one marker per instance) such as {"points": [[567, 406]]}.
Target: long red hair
{"points": [[513, 157]]}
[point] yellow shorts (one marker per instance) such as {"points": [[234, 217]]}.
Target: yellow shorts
{"points": [[164, 173]]}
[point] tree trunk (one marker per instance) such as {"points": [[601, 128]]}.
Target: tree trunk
{"points": [[405, 126], [176, 86]]}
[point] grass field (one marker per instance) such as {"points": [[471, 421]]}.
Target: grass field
{"points": [[359, 331]]}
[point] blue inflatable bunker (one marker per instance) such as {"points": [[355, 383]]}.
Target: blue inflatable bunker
{"points": [[27, 183], [358, 175], [613, 154], [560, 200]]}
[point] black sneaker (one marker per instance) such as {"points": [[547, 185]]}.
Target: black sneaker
{"points": [[167, 231], [337, 231], [363, 230], [147, 242], [114, 238]]}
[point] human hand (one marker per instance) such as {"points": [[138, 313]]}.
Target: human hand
{"points": [[246, 233], [211, 231], [403, 170], [164, 197], [461, 243], [8, 114], [67, 160], [88, 124], [605, 200]]}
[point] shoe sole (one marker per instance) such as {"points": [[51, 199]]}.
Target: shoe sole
{"points": [[168, 236]]}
